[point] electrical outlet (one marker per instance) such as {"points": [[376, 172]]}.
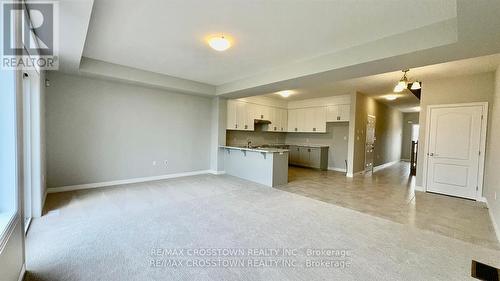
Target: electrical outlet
{"points": [[154, 163]]}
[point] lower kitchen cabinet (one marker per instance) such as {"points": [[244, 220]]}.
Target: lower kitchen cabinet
{"points": [[309, 156]]}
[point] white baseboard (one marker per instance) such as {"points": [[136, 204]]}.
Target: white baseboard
{"points": [[127, 181], [492, 218], [419, 188], [217, 172], [405, 160], [22, 273], [349, 175], [337, 169], [383, 166]]}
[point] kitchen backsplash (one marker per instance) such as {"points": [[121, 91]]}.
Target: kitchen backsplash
{"points": [[257, 137]]}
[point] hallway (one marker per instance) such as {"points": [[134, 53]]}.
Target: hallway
{"points": [[390, 194]]}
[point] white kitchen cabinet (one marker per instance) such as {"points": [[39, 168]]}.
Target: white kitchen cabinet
{"points": [[274, 118], [338, 113], [247, 118], [283, 119], [307, 120], [318, 119], [239, 116], [262, 112], [231, 123], [345, 112], [292, 120], [301, 122]]}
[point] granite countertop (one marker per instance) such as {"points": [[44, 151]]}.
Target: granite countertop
{"points": [[257, 149]]}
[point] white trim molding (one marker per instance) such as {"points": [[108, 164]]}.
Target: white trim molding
{"points": [[127, 181], [22, 273], [383, 166], [492, 218], [419, 188], [213, 172], [6, 233]]}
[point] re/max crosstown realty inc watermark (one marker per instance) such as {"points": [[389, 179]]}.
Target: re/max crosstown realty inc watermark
{"points": [[38, 45]]}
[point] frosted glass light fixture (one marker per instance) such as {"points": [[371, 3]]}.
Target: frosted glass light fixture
{"points": [[219, 43], [415, 86]]}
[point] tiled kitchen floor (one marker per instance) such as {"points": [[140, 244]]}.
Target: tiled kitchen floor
{"points": [[390, 194]]}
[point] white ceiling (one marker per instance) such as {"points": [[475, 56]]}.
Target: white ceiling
{"points": [[167, 37], [380, 85]]}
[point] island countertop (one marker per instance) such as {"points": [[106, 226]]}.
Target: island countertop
{"points": [[257, 149]]}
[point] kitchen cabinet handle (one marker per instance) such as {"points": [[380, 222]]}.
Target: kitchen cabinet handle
{"points": [[236, 126], [314, 129], [338, 117], [261, 116], [275, 128], [295, 129], [246, 126]]}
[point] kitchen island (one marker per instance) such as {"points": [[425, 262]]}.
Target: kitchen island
{"points": [[264, 165]]}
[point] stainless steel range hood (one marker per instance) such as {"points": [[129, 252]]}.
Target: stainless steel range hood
{"points": [[260, 121]]}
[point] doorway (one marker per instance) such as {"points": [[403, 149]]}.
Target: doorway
{"points": [[370, 143], [456, 139]]}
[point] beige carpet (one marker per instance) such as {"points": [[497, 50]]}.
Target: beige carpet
{"points": [[109, 234]]}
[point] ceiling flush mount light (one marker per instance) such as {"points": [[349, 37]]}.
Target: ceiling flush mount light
{"points": [[391, 97], [285, 94], [219, 43]]}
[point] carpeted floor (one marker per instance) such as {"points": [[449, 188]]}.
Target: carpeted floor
{"points": [[137, 232]]}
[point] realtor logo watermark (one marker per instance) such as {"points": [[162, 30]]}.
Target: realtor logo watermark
{"points": [[39, 44]]}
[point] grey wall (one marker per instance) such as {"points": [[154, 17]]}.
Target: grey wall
{"points": [[336, 137], [100, 131], [409, 119], [388, 132], [218, 137], [462, 89], [492, 177]]}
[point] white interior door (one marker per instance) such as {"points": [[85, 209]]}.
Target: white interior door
{"points": [[454, 150]]}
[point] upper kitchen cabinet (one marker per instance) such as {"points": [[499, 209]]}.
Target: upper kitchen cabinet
{"points": [[303, 116], [292, 120], [278, 118], [239, 116], [262, 112], [283, 114], [314, 120], [338, 113], [307, 120]]}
